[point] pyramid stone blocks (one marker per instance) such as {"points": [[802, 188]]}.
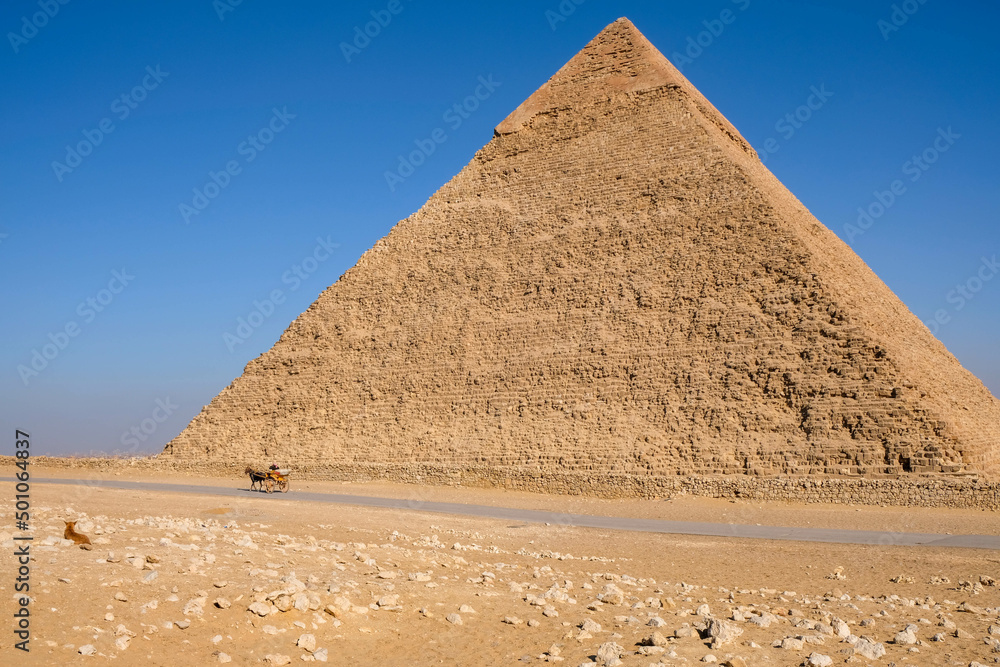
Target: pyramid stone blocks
{"points": [[614, 285]]}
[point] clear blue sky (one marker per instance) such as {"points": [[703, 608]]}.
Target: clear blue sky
{"points": [[213, 82]]}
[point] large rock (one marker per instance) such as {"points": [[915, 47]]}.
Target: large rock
{"points": [[723, 632], [869, 649], [609, 654]]}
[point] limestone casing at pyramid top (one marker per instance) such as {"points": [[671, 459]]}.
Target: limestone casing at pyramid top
{"points": [[618, 60]]}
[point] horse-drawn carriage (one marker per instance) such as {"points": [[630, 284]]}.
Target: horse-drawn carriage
{"points": [[269, 479]]}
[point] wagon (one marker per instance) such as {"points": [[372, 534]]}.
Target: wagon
{"points": [[276, 478], [268, 480]]}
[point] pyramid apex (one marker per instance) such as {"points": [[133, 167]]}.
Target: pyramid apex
{"points": [[618, 60]]}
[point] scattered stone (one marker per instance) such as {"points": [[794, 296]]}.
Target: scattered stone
{"points": [[609, 654], [819, 660], [655, 639], [611, 594], [260, 608], [764, 620], [223, 657], [87, 649], [869, 649], [907, 636], [723, 632], [195, 607], [307, 642], [454, 619], [969, 608]]}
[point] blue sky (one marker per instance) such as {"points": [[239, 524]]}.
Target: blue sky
{"points": [[298, 136]]}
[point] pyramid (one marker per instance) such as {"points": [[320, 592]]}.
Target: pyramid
{"points": [[614, 284]]}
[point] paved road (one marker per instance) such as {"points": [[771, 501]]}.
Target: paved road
{"points": [[580, 520]]}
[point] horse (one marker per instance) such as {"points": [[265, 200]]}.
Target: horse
{"points": [[256, 478]]}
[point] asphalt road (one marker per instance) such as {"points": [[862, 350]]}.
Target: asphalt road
{"points": [[577, 520]]}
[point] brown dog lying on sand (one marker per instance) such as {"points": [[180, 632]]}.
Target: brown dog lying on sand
{"points": [[78, 538]]}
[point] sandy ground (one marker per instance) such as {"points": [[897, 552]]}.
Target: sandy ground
{"points": [[377, 587]]}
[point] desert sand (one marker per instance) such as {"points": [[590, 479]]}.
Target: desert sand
{"points": [[191, 579]]}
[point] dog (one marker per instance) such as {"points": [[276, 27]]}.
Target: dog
{"points": [[78, 538]]}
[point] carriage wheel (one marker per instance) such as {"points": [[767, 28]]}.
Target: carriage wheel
{"points": [[283, 486], [269, 485]]}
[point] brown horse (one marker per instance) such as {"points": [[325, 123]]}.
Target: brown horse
{"points": [[256, 478]]}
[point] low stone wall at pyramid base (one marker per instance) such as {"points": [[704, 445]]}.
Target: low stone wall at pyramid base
{"points": [[907, 490]]}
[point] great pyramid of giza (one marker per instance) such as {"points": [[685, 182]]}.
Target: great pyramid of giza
{"points": [[613, 284]]}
